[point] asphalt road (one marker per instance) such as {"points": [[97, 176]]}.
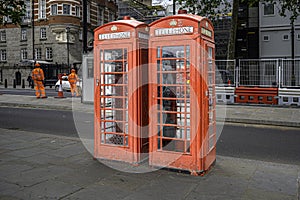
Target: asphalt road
{"points": [[264, 143]]}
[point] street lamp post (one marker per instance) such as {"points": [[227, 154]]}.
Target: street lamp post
{"points": [[32, 25], [68, 47], [293, 52]]}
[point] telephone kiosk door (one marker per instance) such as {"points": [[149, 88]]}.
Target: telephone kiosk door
{"points": [[118, 49], [180, 93]]}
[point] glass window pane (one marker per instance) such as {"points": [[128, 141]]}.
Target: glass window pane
{"points": [[114, 54], [173, 52]]}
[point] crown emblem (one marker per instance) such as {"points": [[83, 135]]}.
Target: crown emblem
{"points": [[173, 22], [114, 28]]}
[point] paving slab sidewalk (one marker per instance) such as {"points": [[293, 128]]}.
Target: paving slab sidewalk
{"points": [[42, 166]]}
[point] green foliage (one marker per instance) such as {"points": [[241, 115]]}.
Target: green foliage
{"points": [[206, 8], [13, 9]]}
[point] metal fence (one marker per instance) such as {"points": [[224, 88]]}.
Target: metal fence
{"points": [[262, 73], [225, 72], [258, 73], [290, 73]]}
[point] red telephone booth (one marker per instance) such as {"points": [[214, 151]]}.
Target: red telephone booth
{"points": [[120, 51], [182, 93]]}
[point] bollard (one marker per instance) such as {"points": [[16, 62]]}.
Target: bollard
{"points": [[23, 83], [14, 83], [5, 83]]}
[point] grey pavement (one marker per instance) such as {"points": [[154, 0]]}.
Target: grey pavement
{"points": [[40, 166]]}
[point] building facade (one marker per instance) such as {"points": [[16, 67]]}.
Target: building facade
{"points": [[275, 33], [54, 36]]}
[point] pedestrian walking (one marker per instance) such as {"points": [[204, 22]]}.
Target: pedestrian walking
{"points": [[38, 79], [73, 79], [29, 79]]}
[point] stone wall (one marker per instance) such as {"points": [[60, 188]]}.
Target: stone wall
{"points": [[9, 73]]}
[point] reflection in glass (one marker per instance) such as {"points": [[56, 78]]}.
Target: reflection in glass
{"points": [[173, 52], [113, 97], [173, 115], [114, 54]]}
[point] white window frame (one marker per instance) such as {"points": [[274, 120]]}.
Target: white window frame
{"points": [[24, 54], [267, 6], [3, 55], [23, 34], [42, 9], [49, 53], [38, 53], [54, 9], [266, 40], [43, 33], [27, 16], [285, 39], [6, 19], [2, 35], [77, 11], [66, 11]]}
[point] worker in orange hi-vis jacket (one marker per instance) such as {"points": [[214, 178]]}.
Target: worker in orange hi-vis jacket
{"points": [[73, 78], [38, 79]]}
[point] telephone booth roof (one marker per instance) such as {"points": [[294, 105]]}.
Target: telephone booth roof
{"points": [[181, 24], [130, 22], [195, 18]]}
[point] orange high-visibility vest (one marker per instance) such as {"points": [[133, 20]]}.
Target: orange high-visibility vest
{"points": [[37, 74], [72, 78]]}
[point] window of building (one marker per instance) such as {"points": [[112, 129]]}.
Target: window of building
{"points": [[43, 33], [266, 38], [24, 54], [285, 37], [38, 53], [49, 54], [27, 16], [268, 9], [6, 19], [54, 9], [88, 12], [100, 16], [80, 35], [23, 34], [77, 11], [66, 9], [298, 36], [42, 9], [2, 36], [90, 67], [3, 55]]}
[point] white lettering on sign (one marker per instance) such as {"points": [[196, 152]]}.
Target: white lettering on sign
{"points": [[110, 36], [206, 32], [143, 36], [174, 31]]}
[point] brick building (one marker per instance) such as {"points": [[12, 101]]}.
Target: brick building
{"points": [[57, 31]]}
